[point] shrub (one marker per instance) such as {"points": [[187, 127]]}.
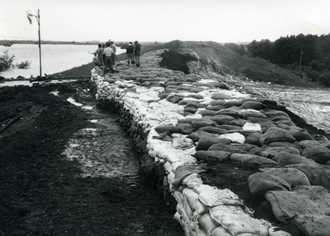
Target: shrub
{"points": [[6, 61], [23, 65], [174, 60], [324, 78]]}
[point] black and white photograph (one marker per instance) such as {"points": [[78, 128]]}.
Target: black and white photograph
{"points": [[165, 118]]}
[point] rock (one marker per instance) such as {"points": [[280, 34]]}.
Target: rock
{"points": [[221, 119], [212, 156], [292, 176], [198, 123], [251, 161], [232, 148], [274, 134], [205, 142], [304, 201], [318, 153], [255, 127], [234, 137], [260, 183], [252, 105]]}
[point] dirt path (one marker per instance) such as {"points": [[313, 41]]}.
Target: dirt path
{"points": [[43, 192]]}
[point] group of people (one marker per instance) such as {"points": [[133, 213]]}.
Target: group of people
{"points": [[105, 55], [133, 52]]}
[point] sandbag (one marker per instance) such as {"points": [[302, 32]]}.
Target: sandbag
{"points": [[292, 176], [274, 134], [233, 147], [285, 158], [212, 156], [251, 161], [318, 153], [303, 201], [237, 222], [313, 225], [207, 141], [260, 183]]}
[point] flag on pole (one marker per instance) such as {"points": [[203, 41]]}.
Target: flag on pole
{"points": [[29, 17]]}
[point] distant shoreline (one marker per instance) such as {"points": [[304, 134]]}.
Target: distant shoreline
{"points": [[8, 43]]}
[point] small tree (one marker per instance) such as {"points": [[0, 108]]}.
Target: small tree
{"points": [[6, 61], [23, 65]]}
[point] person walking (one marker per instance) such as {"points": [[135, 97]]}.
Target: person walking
{"points": [[137, 53], [108, 64], [129, 52]]}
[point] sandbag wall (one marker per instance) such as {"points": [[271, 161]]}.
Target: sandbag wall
{"points": [[201, 209]]}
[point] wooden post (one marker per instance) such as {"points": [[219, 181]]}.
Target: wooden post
{"points": [[39, 43]]}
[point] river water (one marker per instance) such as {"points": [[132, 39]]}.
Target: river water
{"points": [[55, 58], [312, 104]]}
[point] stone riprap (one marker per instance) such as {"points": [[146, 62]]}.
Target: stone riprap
{"points": [[194, 120]]}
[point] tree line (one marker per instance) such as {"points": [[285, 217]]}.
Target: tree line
{"points": [[308, 54]]}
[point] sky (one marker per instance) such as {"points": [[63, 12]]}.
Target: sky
{"points": [[164, 20]]}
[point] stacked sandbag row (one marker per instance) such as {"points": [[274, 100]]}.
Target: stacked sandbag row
{"points": [[185, 113], [291, 167]]}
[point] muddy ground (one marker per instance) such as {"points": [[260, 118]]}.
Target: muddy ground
{"points": [[43, 193]]}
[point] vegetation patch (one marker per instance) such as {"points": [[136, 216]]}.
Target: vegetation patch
{"points": [[174, 60]]}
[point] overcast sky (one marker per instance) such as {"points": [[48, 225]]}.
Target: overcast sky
{"points": [[164, 20]]}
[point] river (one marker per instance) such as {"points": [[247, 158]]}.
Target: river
{"points": [[55, 58]]}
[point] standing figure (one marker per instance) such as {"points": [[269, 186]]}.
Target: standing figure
{"points": [[112, 45], [98, 56], [108, 58], [129, 52], [137, 53]]}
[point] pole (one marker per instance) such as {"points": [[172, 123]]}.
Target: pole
{"points": [[39, 43]]}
